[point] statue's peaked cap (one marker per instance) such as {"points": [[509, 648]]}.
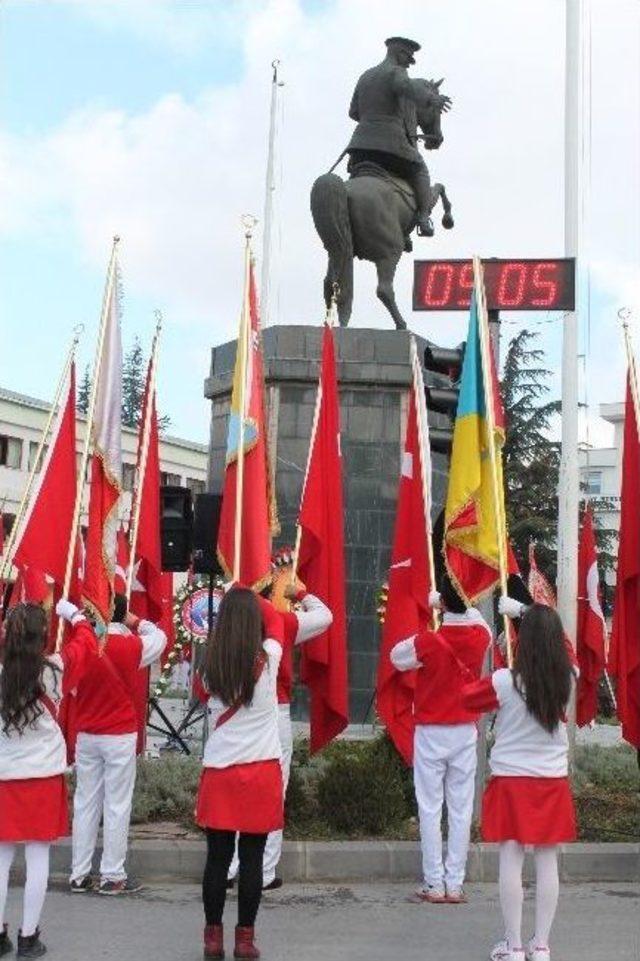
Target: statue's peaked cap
{"points": [[402, 41]]}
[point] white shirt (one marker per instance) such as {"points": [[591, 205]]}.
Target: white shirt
{"points": [[251, 734], [40, 751], [523, 748]]}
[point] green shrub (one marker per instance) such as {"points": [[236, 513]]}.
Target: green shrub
{"points": [[166, 790], [361, 791], [612, 767]]}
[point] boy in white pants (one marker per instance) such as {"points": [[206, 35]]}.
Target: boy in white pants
{"points": [[445, 737], [106, 723]]}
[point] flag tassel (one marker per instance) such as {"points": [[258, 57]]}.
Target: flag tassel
{"points": [[142, 468], [71, 553]]}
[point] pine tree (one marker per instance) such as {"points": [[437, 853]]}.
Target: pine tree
{"points": [[532, 460], [84, 392], [133, 382]]}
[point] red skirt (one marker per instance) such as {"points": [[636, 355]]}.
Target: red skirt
{"points": [[243, 797], [531, 810], [34, 809]]}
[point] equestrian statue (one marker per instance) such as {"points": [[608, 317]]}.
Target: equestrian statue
{"points": [[389, 191]]}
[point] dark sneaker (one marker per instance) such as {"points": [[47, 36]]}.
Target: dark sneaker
{"points": [[31, 946], [274, 885], [6, 945], [83, 886], [125, 886]]}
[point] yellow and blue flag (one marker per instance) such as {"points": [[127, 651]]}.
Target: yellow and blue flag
{"points": [[473, 527]]}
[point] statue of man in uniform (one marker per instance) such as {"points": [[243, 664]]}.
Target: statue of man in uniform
{"points": [[383, 104]]}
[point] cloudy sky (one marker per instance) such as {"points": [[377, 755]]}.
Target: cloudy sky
{"points": [[148, 118]]}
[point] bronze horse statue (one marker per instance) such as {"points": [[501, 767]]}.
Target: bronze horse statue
{"points": [[371, 216]]}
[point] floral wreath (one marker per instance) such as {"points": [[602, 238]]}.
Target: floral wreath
{"points": [[184, 637]]}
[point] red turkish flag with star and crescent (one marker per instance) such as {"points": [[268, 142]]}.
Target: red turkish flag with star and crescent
{"points": [[591, 630], [624, 654], [321, 560], [407, 611]]}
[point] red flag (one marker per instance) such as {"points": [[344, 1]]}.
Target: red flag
{"points": [[321, 560], [624, 656], [537, 584], [147, 588], [45, 530], [257, 509], [106, 466], [407, 612], [591, 629]]}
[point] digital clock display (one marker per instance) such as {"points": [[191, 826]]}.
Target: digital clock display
{"points": [[510, 284]]}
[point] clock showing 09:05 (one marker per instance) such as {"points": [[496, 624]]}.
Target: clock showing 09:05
{"points": [[510, 284]]}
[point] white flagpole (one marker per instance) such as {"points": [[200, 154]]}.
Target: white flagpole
{"points": [[109, 292], [144, 453], [270, 189]]}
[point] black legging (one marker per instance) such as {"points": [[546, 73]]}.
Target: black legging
{"points": [[220, 845]]}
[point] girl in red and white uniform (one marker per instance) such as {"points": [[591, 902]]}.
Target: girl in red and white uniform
{"points": [[445, 737], [528, 798], [311, 619], [241, 785], [33, 753], [106, 721]]}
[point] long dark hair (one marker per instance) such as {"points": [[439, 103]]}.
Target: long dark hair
{"points": [[542, 669], [23, 662], [234, 649]]}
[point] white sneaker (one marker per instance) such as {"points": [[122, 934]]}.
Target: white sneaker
{"points": [[432, 894], [502, 952], [535, 953]]}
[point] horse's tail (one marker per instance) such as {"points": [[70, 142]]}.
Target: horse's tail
{"points": [[330, 211]]}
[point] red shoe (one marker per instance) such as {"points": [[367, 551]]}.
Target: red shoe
{"points": [[213, 943], [245, 946]]}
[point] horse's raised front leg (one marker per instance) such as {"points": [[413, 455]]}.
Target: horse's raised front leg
{"points": [[386, 272], [439, 193]]}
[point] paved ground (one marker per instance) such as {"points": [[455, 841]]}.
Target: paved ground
{"points": [[330, 923]]}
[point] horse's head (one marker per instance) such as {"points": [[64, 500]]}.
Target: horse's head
{"points": [[430, 110]]}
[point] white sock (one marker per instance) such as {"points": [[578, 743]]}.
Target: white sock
{"points": [[7, 853], [547, 891], [36, 855], [511, 893]]}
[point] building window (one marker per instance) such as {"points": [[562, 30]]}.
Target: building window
{"points": [[10, 452], [593, 482], [128, 477], [170, 480], [196, 486], [33, 450]]}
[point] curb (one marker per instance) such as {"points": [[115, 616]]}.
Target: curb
{"points": [[338, 861]]}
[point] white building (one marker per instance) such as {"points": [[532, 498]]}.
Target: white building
{"points": [[601, 469], [22, 421]]}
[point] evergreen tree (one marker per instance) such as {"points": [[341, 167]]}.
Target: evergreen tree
{"points": [[532, 460], [84, 392], [133, 383]]}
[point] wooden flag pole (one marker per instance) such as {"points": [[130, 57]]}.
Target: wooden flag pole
{"points": [[425, 463], [5, 567], [144, 452], [498, 501], [73, 534], [330, 321], [243, 346]]}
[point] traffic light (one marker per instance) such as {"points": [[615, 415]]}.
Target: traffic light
{"points": [[445, 366]]}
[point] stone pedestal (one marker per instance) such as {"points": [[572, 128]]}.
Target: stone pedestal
{"points": [[374, 376]]}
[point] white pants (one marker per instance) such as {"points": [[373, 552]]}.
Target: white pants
{"points": [[444, 768], [273, 849], [36, 855], [105, 778]]}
